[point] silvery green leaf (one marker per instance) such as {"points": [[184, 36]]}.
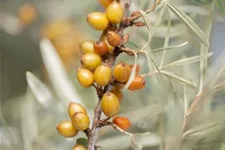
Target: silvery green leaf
{"points": [[170, 47], [189, 22]]}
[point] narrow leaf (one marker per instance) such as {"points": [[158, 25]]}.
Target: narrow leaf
{"points": [[189, 22], [169, 48]]}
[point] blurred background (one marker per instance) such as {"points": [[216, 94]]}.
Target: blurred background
{"points": [[28, 119]]}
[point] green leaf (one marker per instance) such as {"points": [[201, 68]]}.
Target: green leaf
{"points": [[169, 48], [189, 22], [188, 60]]}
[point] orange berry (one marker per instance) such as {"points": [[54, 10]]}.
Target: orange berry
{"points": [[79, 147], [137, 84], [80, 121], [102, 75], [67, 129], [105, 3], [122, 72], [97, 20], [104, 39], [101, 48], [110, 104], [118, 93], [138, 68], [114, 12], [91, 61], [75, 107], [123, 122], [87, 47], [85, 77], [113, 38], [27, 14]]}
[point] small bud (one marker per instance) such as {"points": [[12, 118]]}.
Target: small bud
{"points": [[125, 38], [101, 48], [74, 108], [113, 38], [80, 121], [97, 20], [123, 122], [137, 84], [66, 129], [135, 13], [139, 24]]}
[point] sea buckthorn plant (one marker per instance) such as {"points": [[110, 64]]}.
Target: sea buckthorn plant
{"points": [[99, 70]]}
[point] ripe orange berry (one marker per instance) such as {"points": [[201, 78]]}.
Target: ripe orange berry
{"points": [[87, 47], [75, 107], [137, 84], [122, 72], [97, 20], [101, 48], [104, 39], [79, 147], [114, 12], [67, 129], [80, 121], [123, 122], [118, 93], [27, 14], [105, 3], [85, 77], [110, 104], [102, 75], [91, 61], [113, 38], [138, 68]]}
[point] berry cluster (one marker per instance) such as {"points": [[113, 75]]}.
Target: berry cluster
{"points": [[98, 71]]}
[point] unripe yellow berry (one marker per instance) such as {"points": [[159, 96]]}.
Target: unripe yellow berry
{"points": [[67, 129], [113, 38], [123, 122], [85, 77], [110, 104], [97, 20], [74, 108], [87, 47], [137, 84], [105, 3], [114, 12], [101, 48], [80, 121], [102, 75], [91, 61], [122, 72], [79, 147], [118, 93]]}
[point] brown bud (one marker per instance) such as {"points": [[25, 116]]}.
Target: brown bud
{"points": [[139, 24], [113, 38], [101, 48], [135, 13], [126, 38]]}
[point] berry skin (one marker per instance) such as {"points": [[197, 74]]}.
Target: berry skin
{"points": [[138, 68], [91, 61], [114, 12], [123, 122], [104, 39], [110, 104], [85, 77], [97, 20], [80, 121], [79, 147], [113, 38], [137, 84], [67, 129], [74, 108], [105, 3], [101, 48], [118, 93], [87, 47], [102, 75], [122, 72]]}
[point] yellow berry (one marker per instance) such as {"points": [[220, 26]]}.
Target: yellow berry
{"points": [[85, 77], [27, 14], [75, 107], [113, 38], [101, 48], [80, 121], [105, 3], [114, 12], [97, 20], [102, 75], [110, 104], [123, 122], [118, 93], [79, 147], [137, 84], [67, 129], [87, 47], [122, 72], [91, 61]]}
